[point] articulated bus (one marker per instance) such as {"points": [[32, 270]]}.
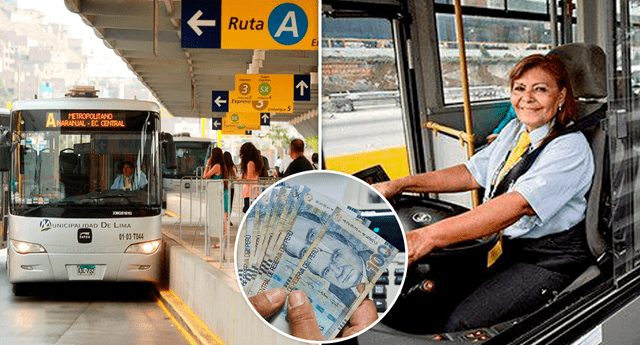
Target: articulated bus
{"points": [[84, 190], [191, 156], [400, 96]]}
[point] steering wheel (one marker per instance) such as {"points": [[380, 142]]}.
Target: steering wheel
{"points": [[416, 212], [441, 275]]}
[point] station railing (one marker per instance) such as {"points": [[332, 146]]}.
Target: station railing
{"points": [[202, 221]]}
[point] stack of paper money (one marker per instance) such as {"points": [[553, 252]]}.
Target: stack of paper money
{"points": [[298, 238]]}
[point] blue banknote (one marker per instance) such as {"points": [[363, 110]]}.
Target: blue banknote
{"points": [[339, 268]]}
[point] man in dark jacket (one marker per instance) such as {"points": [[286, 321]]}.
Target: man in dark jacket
{"points": [[300, 162]]}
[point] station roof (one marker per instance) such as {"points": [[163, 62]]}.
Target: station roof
{"points": [[182, 79]]}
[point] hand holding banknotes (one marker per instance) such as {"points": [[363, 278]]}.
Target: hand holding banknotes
{"points": [[301, 317], [302, 244]]}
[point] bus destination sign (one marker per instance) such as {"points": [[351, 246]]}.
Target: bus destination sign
{"points": [[91, 119]]}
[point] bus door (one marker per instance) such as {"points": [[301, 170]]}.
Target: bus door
{"points": [[624, 129]]}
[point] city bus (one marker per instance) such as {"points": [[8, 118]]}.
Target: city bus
{"points": [[69, 218], [191, 157], [399, 94]]}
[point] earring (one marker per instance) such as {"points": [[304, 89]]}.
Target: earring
{"points": [[560, 107]]}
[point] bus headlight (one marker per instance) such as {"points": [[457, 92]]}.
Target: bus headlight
{"points": [[144, 247], [26, 247]]}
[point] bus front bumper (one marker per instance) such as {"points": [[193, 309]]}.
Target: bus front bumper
{"points": [[61, 267]]}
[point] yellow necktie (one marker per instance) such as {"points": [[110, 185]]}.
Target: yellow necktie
{"points": [[521, 147], [516, 153], [128, 186]]}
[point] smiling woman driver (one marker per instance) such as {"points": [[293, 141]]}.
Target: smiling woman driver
{"points": [[540, 213]]}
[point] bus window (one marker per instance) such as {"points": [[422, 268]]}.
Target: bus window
{"points": [[625, 129], [513, 5], [493, 46], [64, 165], [361, 101], [191, 154]]}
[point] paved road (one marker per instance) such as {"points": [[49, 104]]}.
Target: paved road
{"points": [[365, 129], [63, 313]]}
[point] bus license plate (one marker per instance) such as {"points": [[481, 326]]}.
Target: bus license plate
{"points": [[86, 270]]}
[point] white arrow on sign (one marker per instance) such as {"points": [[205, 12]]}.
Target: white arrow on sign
{"points": [[302, 85], [195, 22], [265, 117], [216, 124], [219, 100]]}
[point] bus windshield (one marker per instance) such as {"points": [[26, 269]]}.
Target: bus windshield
{"points": [[190, 155], [78, 164]]}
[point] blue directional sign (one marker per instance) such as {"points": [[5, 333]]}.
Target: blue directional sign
{"points": [[301, 87], [220, 101], [201, 23], [265, 119], [216, 123]]}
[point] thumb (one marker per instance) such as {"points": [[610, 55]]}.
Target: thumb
{"points": [[301, 318], [268, 302]]}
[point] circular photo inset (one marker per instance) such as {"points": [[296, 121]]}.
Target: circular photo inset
{"points": [[320, 256]]}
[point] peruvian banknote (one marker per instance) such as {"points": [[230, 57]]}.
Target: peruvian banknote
{"points": [[312, 212], [341, 264]]}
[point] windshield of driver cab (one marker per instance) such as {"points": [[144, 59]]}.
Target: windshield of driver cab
{"points": [[78, 164]]}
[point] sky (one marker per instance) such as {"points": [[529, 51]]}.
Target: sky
{"points": [[56, 12]]}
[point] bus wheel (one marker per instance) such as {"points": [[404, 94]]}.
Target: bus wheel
{"points": [[21, 289]]}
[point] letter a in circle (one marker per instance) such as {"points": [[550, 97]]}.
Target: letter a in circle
{"points": [[288, 24]]}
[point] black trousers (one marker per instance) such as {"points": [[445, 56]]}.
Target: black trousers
{"points": [[525, 278], [246, 205]]}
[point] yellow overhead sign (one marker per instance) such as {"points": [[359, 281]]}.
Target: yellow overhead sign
{"points": [[234, 131], [292, 25], [265, 86], [264, 24], [242, 105], [244, 121]]}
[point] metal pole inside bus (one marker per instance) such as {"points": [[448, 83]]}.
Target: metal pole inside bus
{"points": [[468, 122]]}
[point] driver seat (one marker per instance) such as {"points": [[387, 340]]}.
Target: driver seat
{"points": [[586, 66]]}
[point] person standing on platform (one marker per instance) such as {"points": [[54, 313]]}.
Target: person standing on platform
{"points": [[216, 169], [300, 163], [251, 164], [233, 174]]}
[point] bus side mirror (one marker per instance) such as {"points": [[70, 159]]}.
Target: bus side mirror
{"points": [[169, 149], [5, 151]]}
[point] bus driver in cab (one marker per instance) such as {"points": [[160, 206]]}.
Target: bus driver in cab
{"points": [[128, 180], [541, 214]]}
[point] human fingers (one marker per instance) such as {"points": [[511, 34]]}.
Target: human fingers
{"points": [[301, 318], [268, 302], [385, 188], [362, 317], [418, 245]]}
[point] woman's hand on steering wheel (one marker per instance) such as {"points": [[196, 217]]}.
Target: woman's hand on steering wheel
{"points": [[419, 244]]}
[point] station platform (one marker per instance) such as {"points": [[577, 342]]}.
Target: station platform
{"points": [[202, 292]]}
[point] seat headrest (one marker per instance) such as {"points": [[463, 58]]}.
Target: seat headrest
{"points": [[586, 65]]}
